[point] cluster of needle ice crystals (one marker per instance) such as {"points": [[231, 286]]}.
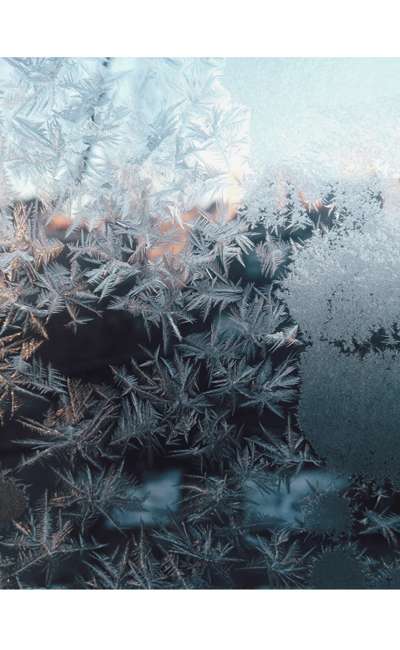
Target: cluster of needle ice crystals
{"points": [[120, 138]]}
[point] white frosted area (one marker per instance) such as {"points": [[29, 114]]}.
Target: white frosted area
{"points": [[100, 135], [325, 117], [45, 110], [312, 119], [345, 286]]}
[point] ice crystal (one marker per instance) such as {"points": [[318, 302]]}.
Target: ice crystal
{"points": [[94, 135]]}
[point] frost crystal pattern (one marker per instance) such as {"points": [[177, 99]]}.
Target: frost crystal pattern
{"points": [[199, 353]]}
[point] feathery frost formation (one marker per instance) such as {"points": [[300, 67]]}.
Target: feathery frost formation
{"points": [[148, 404]]}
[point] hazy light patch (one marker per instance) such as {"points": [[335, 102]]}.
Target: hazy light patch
{"points": [[159, 497], [326, 116]]}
